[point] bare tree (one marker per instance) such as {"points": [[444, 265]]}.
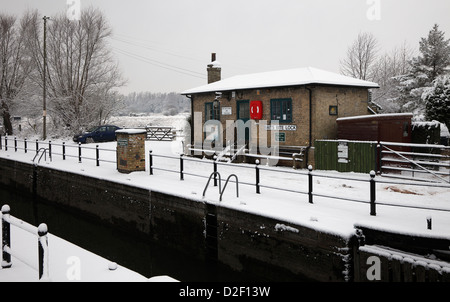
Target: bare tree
{"points": [[386, 69], [82, 74], [14, 64], [361, 57]]}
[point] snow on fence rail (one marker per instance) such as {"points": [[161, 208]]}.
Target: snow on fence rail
{"points": [[256, 181], [41, 231], [50, 149], [371, 201]]}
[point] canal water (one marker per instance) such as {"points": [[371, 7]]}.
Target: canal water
{"points": [[137, 253]]}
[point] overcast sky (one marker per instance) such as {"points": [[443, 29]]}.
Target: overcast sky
{"points": [[164, 46]]}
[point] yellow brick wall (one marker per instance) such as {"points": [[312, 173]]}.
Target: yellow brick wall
{"points": [[131, 157], [350, 102]]}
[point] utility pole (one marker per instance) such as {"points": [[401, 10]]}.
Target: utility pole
{"points": [[44, 112]]}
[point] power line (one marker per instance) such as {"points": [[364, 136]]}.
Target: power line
{"points": [[160, 64], [132, 41]]}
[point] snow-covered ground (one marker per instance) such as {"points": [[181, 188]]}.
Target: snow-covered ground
{"points": [[67, 262], [399, 206]]}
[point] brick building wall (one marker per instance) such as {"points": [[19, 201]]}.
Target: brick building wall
{"points": [[350, 101]]}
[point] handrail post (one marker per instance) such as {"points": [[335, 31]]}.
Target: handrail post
{"points": [[379, 153], [15, 143], [25, 145], [0, 141], [226, 183], [372, 193], [181, 167], [6, 142], [6, 237], [310, 184], [209, 179], [150, 161], [257, 177], [215, 172], [50, 150], [43, 251], [37, 146], [79, 152], [64, 150], [97, 156]]}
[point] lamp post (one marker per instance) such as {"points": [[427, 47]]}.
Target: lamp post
{"points": [[44, 107]]}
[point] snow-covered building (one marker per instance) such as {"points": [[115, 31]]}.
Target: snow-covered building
{"points": [[302, 104]]}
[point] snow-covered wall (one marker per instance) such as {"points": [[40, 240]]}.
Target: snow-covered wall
{"points": [[268, 248]]}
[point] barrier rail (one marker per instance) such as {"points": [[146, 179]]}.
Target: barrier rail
{"points": [[310, 174], [41, 231], [256, 167], [50, 149]]}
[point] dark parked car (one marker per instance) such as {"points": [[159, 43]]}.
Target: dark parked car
{"points": [[105, 133]]}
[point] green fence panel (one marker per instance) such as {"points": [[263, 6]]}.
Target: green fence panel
{"points": [[345, 156]]}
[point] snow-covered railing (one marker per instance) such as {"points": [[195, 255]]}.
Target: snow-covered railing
{"points": [[41, 232], [310, 174], [78, 152]]}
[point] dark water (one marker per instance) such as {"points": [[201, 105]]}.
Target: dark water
{"points": [[137, 253]]}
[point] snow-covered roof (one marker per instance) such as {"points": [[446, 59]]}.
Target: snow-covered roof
{"points": [[289, 77], [374, 116]]}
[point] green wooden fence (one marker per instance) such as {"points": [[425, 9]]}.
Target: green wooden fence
{"points": [[345, 155]]}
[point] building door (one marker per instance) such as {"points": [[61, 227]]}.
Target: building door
{"points": [[243, 114]]}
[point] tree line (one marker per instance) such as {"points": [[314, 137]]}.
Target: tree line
{"points": [[147, 102], [418, 84], [81, 75]]}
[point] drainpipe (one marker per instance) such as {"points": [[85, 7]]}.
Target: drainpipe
{"points": [[192, 119], [310, 125]]}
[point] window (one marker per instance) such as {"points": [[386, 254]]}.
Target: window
{"points": [[211, 112], [333, 110], [281, 110], [243, 110]]}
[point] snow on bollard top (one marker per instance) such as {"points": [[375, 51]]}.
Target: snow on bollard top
{"points": [[112, 266], [6, 209], [42, 229]]}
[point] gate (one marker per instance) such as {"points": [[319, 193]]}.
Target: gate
{"points": [[415, 161]]}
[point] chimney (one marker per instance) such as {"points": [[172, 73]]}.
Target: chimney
{"points": [[213, 70]]}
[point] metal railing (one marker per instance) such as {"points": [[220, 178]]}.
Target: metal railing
{"points": [[256, 181], [52, 148], [41, 232], [310, 177]]}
